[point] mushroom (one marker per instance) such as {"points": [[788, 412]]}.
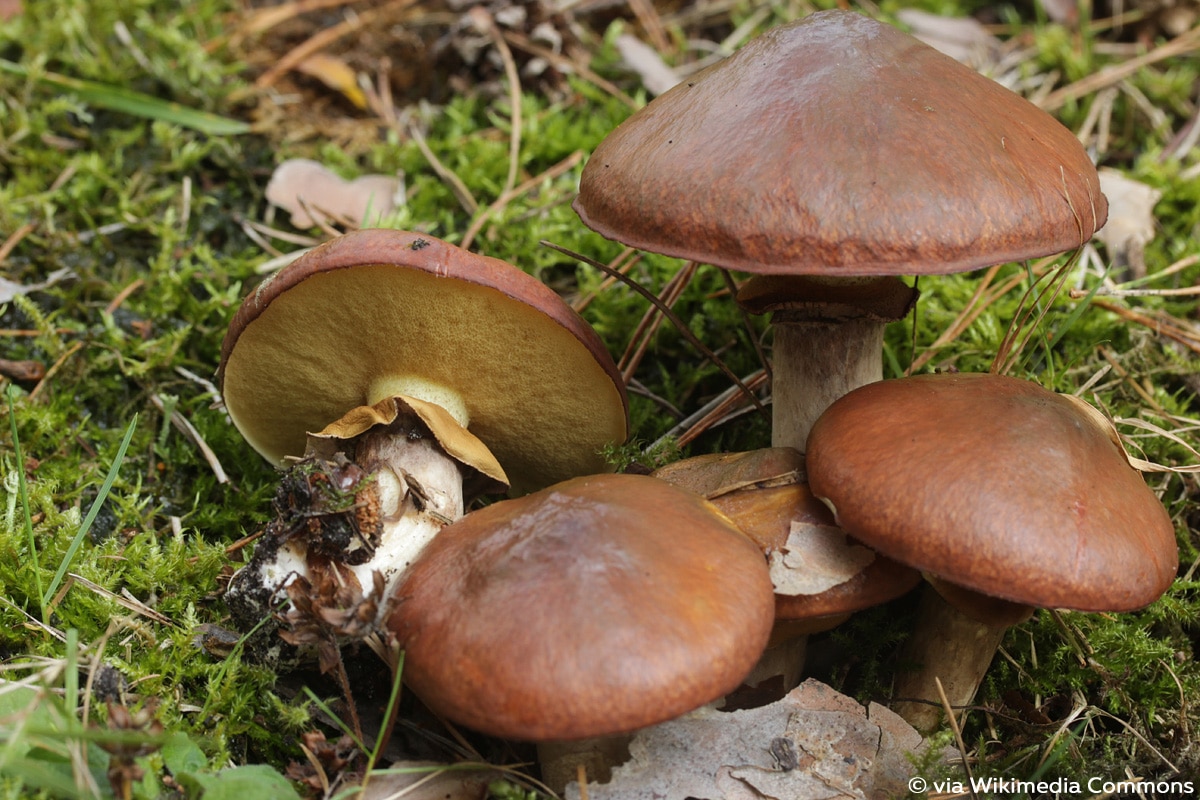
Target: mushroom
{"points": [[421, 363], [592, 608], [1009, 496], [820, 577], [828, 157]]}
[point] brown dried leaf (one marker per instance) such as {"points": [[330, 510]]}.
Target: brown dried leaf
{"points": [[306, 188], [816, 558], [813, 744]]}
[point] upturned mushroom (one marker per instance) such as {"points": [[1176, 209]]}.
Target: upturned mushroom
{"points": [[828, 157], [1008, 496], [592, 608], [419, 364]]}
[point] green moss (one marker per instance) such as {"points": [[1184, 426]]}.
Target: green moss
{"points": [[145, 215]]}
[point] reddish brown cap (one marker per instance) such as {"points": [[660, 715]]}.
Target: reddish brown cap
{"points": [[839, 145], [764, 493], [594, 607], [384, 308], [997, 485]]}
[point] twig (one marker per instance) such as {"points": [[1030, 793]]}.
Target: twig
{"points": [[1114, 292], [123, 295], [1116, 73], [730, 401], [128, 601], [755, 342], [668, 313], [188, 430], [565, 64], [319, 41], [484, 20], [648, 16], [1169, 329], [629, 256], [465, 198], [54, 368], [14, 239], [958, 739], [639, 342], [554, 172]]}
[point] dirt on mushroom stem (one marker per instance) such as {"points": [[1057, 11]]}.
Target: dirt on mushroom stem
{"points": [[349, 518]]}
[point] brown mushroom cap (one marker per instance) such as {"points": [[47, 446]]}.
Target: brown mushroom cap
{"points": [[995, 484], [763, 493], [594, 607], [309, 343], [839, 145]]}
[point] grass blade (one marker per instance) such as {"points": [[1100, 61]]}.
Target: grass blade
{"points": [[23, 492], [90, 518], [117, 98]]}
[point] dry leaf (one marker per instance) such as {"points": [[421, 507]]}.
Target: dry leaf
{"points": [[10, 289], [336, 74], [1130, 225], [304, 187], [450, 782], [816, 558], [640, 57], [9, 9], [962, 38], [1061, 11], [812, 744]]}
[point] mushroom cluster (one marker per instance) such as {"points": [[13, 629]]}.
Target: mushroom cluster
{"points": [[828, 157], [399, 377], [430, 374]]}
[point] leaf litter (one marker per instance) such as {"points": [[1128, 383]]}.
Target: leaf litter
{"points": [[812, 744]]}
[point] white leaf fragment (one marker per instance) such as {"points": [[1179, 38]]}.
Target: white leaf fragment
{"points": [[812, 744], [1131, 223], [643, 59], [10, 289], [313, 193], [816, 558], [962, 38]]}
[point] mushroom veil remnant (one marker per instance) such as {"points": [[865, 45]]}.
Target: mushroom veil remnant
{"points": [[419, 365], [1007, 496], [828, 157]]}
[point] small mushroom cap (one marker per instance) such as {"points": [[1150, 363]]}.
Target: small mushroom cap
{"points": [[538, 386], [594, 607], [997, 485], [763, 493], [839, 145]]}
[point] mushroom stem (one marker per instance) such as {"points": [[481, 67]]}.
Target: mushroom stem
{"points": [[560, 761], [952, 646], [415, 386], [375, 488], [410, 489], [420, 491], [815, 363], [828, 341]]}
